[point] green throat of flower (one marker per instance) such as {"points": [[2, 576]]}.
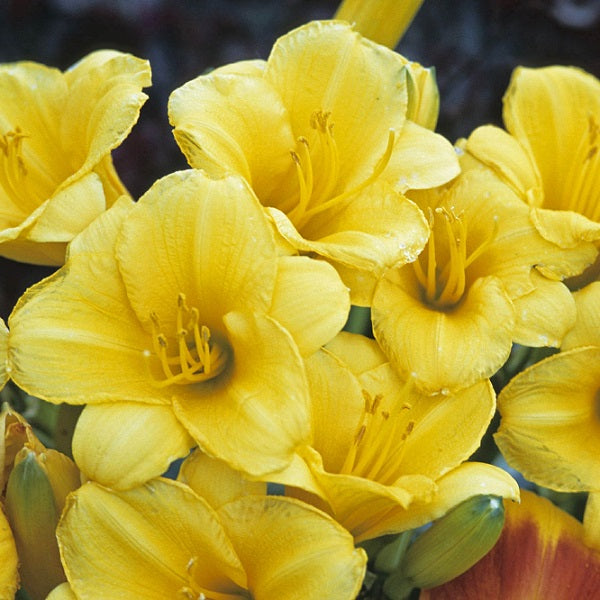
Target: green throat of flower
{"points": [[378, 446], [188, 356], [317, 194], [443, 285]]}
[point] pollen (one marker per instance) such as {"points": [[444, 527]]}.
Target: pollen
{"points": [[186, 355]]}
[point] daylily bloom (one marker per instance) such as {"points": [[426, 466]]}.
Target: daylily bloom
{"points": [[57, 131], [549, 426], [321, 132], [540, 554], [485, 280], [550, 155], [385, 457], [177, 322], [162, 540]]}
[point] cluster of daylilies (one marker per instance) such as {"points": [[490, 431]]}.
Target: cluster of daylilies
{"points": [[283, 356]]}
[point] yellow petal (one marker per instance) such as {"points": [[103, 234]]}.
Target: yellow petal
{"points": [[141, 544], [443, 350], [8, 558], [379, 228], [421, 159], [66, 336], [4, 368], [549, 427], [315, 316], [124, 444], [210, 240], [256, 414], [291, 550], [62, 592], [503, 153], [565, 228], [326, 66], [215, 481], [220, 124], [587, 326], [553, 113], [104, 100]]}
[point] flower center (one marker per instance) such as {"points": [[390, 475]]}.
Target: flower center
{"points": [[13, 172], [188, 356], [317, 196], [443, 285], [581, 180], [379, 444]]}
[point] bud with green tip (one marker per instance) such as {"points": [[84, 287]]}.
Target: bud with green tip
{"points": [[35, 495], [453, 544]]}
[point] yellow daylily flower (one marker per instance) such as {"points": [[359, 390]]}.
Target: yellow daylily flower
{"points": [[549, 427], [550, 153], [57, 131], [321, 132], [385, 457], [383, 21], [177, 322], [485, 280], [162, 540], [541, 554]]}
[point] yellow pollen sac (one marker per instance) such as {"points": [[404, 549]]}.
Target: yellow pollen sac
{"points": [[187, 356], [379, 444], [444, 285], [318, 179]]}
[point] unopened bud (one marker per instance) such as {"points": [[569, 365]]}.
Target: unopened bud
{"points": [[453, 544]]}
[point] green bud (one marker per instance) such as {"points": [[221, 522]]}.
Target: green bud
{"points": [[390, 557], [453, 544], [34, 497]]}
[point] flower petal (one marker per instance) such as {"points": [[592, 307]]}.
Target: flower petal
{"points": [[256, 414], [210, 240], [316, 315], [124, 444], [140, 543], [9, 576], [443, 350], [587, 327], [291, 550], [68, 331], [326, 66], [549, 428]]}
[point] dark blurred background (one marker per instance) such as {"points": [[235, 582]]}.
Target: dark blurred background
{"points": [[474, 45]]}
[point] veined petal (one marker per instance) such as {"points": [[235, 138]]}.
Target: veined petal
{"points": [[379, 228], [326, 66], [215, 480], [291, 550], [550, 429], [256, 414], [587, 326], [319, 313], [540, 554], [104, 101], [114, 546], [210, 241], [443, 351], [553, 112], [78, 324], [421, 159], [9, 576], [219, 119], [69, 211], [123, 445], [503, 153], [545, 315], [565, 228]]}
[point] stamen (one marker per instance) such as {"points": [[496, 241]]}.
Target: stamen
{"points": [[13, 170], [196, 358]]}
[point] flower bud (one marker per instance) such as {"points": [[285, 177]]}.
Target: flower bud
{"points": [[423, 95], [35, 495], [452, 544]]}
